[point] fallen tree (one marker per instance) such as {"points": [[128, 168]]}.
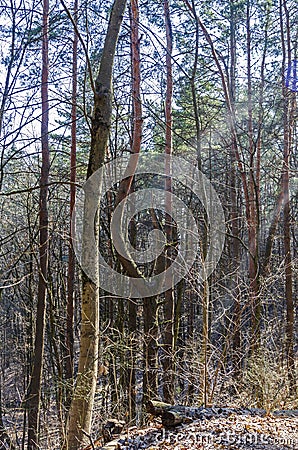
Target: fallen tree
{"points": [[172, 415]]}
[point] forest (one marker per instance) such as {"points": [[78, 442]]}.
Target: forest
{"points": [[149, 214]]}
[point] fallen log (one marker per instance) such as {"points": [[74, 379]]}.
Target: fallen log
{"points": [[172, 415], [157, 408], [172, 418]]}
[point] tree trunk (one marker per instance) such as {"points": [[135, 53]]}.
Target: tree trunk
{"points": [[136, 148], [205, 284], [34, 390], [4, 437], [71, 260], [252, 207], [288, 278], [150, 348], [80, 415], [271, 234], [289, 111], [235, 213], [169, 305]]}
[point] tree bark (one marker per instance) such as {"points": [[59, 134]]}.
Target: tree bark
{"points": [[205, 285], [252, 207], [150, 382], [34, 390], [71, 255], [127, 185], [289, 100], [80, 415], [169, 305], [4, 437], [235, 213]]}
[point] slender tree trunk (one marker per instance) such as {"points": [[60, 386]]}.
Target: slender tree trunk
{"points": [[289, 99], [234, 203], [288, 267], [136, 148], [191, 340], [34, 391], [205, 286], [127, 183], [80, 415], [253, 192], [271, 234], [169, 305], [133, 345], [71, 257], [264, 269], [55, 355], [4, 437], [150, 382]]}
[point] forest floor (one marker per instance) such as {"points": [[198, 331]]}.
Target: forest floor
{"points": [[236, 432]]}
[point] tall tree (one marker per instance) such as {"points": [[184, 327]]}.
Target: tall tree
{"points": [[135, 147], [169, 305], [80, 414], [253, 189], [289, 101], [34, 390], [71, 259], [235, 250]]}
